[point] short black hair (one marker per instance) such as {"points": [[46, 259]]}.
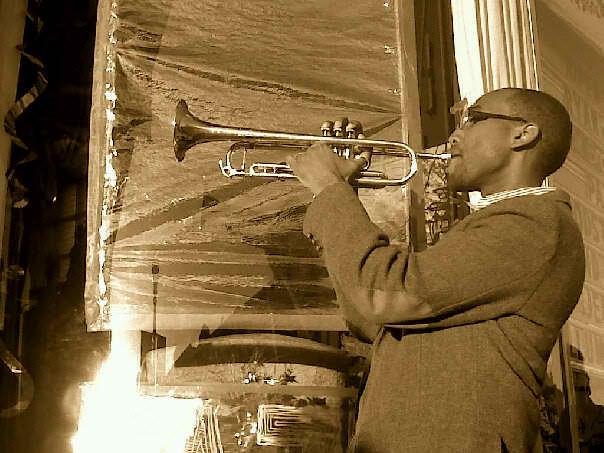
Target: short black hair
{"points": [[554, 124]]}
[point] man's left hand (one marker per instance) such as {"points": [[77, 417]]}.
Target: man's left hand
{"points": [[319, 167]]}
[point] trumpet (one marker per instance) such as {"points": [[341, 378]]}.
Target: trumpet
{"points": [[190, 131]]}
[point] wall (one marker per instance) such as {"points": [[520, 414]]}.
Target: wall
{"points": [[571, 70], [571, 65]]}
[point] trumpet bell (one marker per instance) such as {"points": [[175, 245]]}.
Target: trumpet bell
{"points": [[188, 130]]}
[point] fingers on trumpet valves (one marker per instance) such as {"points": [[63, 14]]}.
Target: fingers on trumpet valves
{"points": [[339, 131], [327, 130], [342, 128], [360, 152], [363, 152]]}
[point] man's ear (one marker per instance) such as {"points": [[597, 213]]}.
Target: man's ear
{"points": [[525, 136]]}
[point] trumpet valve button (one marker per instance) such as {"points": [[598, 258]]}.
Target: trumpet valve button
{"points": [[327, 128], [338, 128], [353, 129]]}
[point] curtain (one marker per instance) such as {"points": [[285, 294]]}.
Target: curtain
{"points": [[494, 45]]}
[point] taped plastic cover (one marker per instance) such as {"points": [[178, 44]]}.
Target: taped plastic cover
{"points": [[227, 253]]}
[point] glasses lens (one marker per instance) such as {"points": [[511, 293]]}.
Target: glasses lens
{"points": [[459, 110], [464, 118]]}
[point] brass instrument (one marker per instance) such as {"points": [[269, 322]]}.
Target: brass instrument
{"points": [[190, 131]]}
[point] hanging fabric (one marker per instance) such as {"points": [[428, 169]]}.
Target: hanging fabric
{"points": [[494, 46]]}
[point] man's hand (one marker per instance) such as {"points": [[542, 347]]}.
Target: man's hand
{"points": [[319, 167]]}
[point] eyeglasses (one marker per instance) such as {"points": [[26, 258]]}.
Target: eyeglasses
{"points": [[466, 116]]}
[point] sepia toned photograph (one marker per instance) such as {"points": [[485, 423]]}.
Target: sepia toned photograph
{"points": [[369, 226]]}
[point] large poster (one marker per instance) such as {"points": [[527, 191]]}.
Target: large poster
{"points": [[176, 245]]}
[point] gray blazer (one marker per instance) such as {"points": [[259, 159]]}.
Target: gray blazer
{"points": [[462, 331]]}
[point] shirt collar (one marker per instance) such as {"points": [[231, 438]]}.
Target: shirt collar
{"points": [[483, 202]]}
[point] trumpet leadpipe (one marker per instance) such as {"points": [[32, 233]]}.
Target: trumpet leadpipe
{"points": [[442, 156], [436, 152]]}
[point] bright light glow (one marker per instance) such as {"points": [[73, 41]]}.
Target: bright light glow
{"points": [[115, 418]]}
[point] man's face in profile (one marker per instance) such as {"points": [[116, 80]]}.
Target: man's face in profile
{"points": [[480, 148]]}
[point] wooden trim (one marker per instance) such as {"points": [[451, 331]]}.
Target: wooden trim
{"points": [[588, 369], [568, 389], [213, 390], [585, 326], [96, 163], [179, 321], [411, 121]]}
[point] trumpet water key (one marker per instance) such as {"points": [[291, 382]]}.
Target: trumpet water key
{"points": [[190, 131]]}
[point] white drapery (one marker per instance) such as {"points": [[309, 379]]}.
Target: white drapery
{"points": [[494, 45]]}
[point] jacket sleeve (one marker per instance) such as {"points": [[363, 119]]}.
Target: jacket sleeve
{"points": [[364, 329], [474, 273]]}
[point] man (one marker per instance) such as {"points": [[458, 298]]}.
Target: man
{"points": [[462, 331]]}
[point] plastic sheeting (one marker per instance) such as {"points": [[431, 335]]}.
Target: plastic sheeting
{"points": [[229, 253]]}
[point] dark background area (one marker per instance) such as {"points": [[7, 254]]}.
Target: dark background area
{"points": [[47, 237]]}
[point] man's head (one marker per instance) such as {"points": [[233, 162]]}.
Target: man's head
{"points": [[513, 138]]}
